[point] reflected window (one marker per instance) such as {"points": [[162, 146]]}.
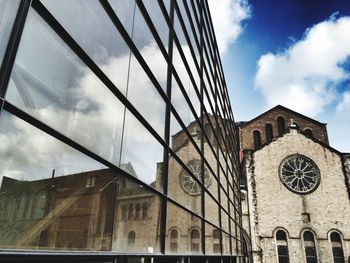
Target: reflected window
{"points": [[257, 139], [195, 240], [124, 212], [131, 238], [174, 240], [310, 247], [131, 212], [138, 211], [269, 132], [216, 241], [281, 126], [144, 211], [282, 246], [90, 182], [337, 248]]}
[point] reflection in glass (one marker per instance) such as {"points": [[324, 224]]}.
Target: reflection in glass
{"points": [[182, 187], [53, 197], [212, 240], [141, 154], [60, 91], [190, 228], [211, 210], [7, 16]]}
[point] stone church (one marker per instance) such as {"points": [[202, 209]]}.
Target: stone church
{"points": [[295, 188]]}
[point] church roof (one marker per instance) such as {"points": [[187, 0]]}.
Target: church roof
{"points": [[280, 107]]}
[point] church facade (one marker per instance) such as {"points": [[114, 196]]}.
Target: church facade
{"points": [[296, 190]]}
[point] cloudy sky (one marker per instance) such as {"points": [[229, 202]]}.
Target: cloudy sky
{"points": [[292, 52]]}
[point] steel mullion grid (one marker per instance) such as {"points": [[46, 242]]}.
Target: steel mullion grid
{"points": [[64, 139], [209, 33], [144, 12], [187, 37], [235, 220], [43, 12], [12, 46], [192, 53], [167, 113], [179, 48], [201, 110]]}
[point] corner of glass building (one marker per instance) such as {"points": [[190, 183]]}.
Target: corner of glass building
{"points": [[117, 138]]}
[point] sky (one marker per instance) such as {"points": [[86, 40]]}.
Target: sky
{"points": [[295, 53]]}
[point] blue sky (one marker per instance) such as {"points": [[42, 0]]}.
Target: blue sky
{"points": [[291, 52]]}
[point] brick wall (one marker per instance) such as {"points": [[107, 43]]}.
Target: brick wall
{"points": [[246, 130]]}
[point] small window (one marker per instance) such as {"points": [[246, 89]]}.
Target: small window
{"points": [[195, 240], [124, 212], [257, 139], [131, 212], [337, 248], [310, 247], [144, 211], [281, 235], [174, 234], [138, 211], [308, 133], [281, 126], [216, 241], [282, 247], [269, 132], [131, 238], [174, 240]]}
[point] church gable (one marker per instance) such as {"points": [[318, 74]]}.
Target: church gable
{"points": [[287, 206], [274, 123]]}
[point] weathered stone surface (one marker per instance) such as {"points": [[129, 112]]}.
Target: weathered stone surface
{"points": [[272, 205]]}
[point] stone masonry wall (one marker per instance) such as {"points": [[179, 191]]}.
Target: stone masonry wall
{"points": [[272, 205]]}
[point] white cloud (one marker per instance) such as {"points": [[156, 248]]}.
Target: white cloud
{"points": [[227, 16], [305, 76], [344, 105]]}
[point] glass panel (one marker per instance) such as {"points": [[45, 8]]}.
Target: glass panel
{"points": [[87, 22], [189, 227], [60, 91], [141, 154], [211, 210], [57, 198], [182, 187], [226, 244], [101, 40], [224, 221], [212, 240], [7, 17], [158, 19]]}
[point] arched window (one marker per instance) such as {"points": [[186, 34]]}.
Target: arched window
{"points": [[144, 211], [131, 212], [281, 126], [310, 247], [195, 240], [282, 246], [269, 132], [124, 212], [216, 241], [308, 133], [138, 211], [131, 238], [174, 240], [337, 248], [257, 139]]}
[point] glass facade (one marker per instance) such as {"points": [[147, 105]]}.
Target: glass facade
{"points": [[117, 136]]}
